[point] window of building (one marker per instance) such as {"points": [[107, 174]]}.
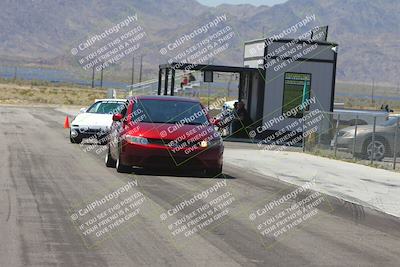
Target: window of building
{"points": [[296, 94]]}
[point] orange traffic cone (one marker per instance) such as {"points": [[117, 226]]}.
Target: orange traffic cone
{"points": [[66, 123]]}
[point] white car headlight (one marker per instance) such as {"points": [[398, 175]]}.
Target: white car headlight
{"points": [[74, 133]]}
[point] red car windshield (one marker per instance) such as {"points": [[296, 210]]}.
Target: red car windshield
{"points": [[161, 111]]}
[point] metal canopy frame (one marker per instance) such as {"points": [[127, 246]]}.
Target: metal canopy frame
{"points": [[171, 68]]}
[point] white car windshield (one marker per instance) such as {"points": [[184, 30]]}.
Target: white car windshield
{"points": [[106, 107]]}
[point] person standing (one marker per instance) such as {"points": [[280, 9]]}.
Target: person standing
{"points": [[243, 114], [244, 119]]}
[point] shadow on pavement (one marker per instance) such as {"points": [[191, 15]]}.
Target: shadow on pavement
{"points": [[184, 173]]}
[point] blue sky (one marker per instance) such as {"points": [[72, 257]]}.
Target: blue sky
{"points": [[253, 2]]}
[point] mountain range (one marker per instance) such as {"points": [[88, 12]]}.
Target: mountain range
{"points": [[42, 32]]}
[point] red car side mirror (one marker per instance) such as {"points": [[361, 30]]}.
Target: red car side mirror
{"points": [[117, 117]]}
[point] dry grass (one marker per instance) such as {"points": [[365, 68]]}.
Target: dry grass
{"points": [[19, 93], [45, 93]]}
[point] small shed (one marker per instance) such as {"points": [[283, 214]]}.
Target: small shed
{"points": [[293, 73]]}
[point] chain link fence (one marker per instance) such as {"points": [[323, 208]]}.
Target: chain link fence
{"points": [[358, 137]]}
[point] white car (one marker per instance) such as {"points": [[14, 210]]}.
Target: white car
{"points": [[95, 122], [229, 105]]}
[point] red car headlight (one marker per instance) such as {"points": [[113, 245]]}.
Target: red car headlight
{"points": [[212, 142], [203, 143], [135, 139]]}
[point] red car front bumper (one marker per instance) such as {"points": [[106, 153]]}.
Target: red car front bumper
{"points": [[150, 156]]}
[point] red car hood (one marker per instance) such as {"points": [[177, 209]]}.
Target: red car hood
{"points": [[172, 131]]}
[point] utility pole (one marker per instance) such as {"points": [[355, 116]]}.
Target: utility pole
{"points": [[263, 36], [101, 76], [229, 83], [93, 78], [141, 68], [133, 70], [208, 92], [373, 88], [15, 73]]}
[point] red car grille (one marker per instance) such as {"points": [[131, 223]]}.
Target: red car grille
{"points": [[172, 162]]}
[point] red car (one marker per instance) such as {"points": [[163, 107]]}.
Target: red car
{"points": [[164, 132]]}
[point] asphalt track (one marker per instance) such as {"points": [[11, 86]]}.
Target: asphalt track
{"points": [[42, 176]]}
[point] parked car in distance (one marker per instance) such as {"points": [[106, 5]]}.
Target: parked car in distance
{"points": [[95, 121], [352, 117], [384, 140], [156, 132]]}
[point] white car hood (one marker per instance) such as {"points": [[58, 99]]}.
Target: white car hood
{"points": [[93, 119]]}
